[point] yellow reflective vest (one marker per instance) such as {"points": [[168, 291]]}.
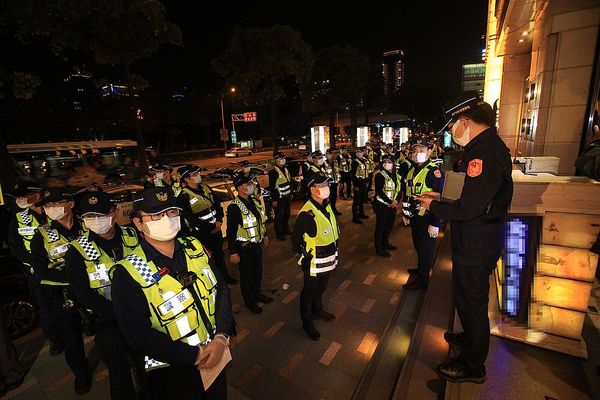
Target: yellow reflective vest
{"points": [[283, 182], [391, 186], [322, 247], [27, 225], [415, 185], [202, 204], [253, 226]]}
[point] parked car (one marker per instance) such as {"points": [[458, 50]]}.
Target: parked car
{"points": [[238, 151]]}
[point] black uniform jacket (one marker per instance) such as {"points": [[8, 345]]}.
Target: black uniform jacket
{"points": [[478, 217], [15, 240]]}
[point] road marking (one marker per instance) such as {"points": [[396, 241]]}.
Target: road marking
{"points": [[291, 365], [277, 278], [340, 310], [101, 375], [290, 297], [369, 279], [368, 344], [370, 260], [351, 249], [344, 285], [238, 338], [28, 384], [330, 353], [366, 308], [348, 265], [273, 329], [249, 376], [395, 298], [392, 274]]}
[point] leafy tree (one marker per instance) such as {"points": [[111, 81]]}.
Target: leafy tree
{"points": [[259, 62]]}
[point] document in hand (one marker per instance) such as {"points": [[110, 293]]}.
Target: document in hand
{"points": [[209, 375], [453, 186]]}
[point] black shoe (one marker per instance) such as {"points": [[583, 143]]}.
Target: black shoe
{"points": [[389, 246], [82, 384], [231, 281], [255, 308], [457, 371], [56, 348], [364, 216], [456, 340], [415, 285], [324, 315], [264, 299], [281, 238], [382, 253], [357, 221], [412, 270], [311, 331], [16, 383]]}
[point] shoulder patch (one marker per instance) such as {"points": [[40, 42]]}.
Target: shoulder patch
{"points": [[475, 167], [437, 173]]}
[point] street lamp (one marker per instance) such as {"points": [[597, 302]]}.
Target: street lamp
{"points": [[224, 130]]}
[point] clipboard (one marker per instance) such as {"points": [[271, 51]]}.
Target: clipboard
{"points": [[453, 186], [209, 375]]}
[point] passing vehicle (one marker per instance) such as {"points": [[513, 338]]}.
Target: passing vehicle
{"points": [[238, 152]]}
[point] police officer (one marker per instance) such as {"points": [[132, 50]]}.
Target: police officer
{"points": [[477, 221], [281, 195], [246, 234], [359, 181], [171, 303], [343, 165], [424, 176], [388, 194], [315, 239], [203, 216], [306, 173], [370, 162], [318, 164], [161, 175], [258, 190], [87, 264], [48, 248], [334, 177]]}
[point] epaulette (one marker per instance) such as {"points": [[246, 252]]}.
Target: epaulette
{"points": [[310, 212]]}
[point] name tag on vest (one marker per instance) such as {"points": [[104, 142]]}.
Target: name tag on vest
{"points": [[100, 274], [193, 200], [27, 231], [175, 303], [59, 250]]}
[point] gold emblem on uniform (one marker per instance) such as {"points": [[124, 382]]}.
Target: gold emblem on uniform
{"points": [[162, 196], [93, 200], [46, 194]]}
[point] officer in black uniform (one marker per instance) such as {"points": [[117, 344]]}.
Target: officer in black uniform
{"points": [[360, 175], [477, 221], [203, 215], [48, 248], [334, 178], [98, 212], [388, 195], [281, 195], [343, 163]]}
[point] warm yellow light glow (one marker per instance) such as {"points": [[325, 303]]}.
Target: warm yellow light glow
{"points": [[525, 33], [232, 90], [521, 40]]}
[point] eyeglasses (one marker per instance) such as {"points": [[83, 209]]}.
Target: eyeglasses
{"points": [[171, 212]]}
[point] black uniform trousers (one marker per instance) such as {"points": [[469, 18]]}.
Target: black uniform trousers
{"points": [[424, 246], [116, 355], [43, 303], [251, 272], [347, 182], [333, 194], [282, 217], [311, 297], [11, 368], [184, 383], [471, 284], [360, 191], [215, 245], [384, 222], [70, 331]]}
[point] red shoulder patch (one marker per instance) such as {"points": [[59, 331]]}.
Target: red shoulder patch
{"points": [[475, 168], [437, 173]]}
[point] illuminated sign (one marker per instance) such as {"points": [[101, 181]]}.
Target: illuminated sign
{"points": [[319, 138], [403, 135], [362, 135], [388, 135]]}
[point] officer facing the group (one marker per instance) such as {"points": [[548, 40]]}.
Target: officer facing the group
{"points": [[87, 265], [423, 176], [171, 303], [386, 200], [246, 234], [318, 164], [22, 227], [281, 195], [315, 239], [359, 181], [477, 221], [334, 177], [48, 249], [343, 165], [203, 216]]}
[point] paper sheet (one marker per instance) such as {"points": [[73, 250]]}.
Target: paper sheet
{"points": [[209, 375]]}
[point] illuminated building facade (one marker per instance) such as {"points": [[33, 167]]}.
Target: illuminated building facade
{"points": [[393, 72]]}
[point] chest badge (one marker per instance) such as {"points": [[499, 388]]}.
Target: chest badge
{"points": [[475, 168]]}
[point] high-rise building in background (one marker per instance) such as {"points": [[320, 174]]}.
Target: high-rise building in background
{"points": [[473, 77], [393, 72]]}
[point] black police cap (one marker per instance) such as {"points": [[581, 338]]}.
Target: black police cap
{"points": [[316, 178], [24, 188], [240, 179], [54, 194], [279, 154], [388, 158], [187, 170], [160, 167], [244, 163], [316, 153], [462, 105], [95, 203], [421, 142], [153, 200]]}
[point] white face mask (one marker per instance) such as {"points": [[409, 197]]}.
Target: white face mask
{"points": [[55, 213], [323, 192], [281, 162], [388, 166], [160, 175], [22, 202], [422, 157], [359, 155], [250, 190], [320, 162], [246, 170], [464, 139], [197, 179], [164, 229], [99, 225]]}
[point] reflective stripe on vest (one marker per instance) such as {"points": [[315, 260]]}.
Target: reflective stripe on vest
{"points": [[27, 226], [202, 204], [56, 246], [361, 170], [323, 246], [391, 187], [98, 264], [415, 185], [253, 227], [283, 182], [331, 174], [173, 308], [343, 164]]}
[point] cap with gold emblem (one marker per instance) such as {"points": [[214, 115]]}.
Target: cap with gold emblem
{"points": [[56, 194], [153, 200], [95, 203]]}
